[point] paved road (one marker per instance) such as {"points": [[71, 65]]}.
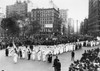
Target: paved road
{"points": [[6, 63]]}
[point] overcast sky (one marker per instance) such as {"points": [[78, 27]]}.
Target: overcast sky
{"points": [[77, 9]]}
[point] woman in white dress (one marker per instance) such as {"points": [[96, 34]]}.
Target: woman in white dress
{"points": [[66, 48], [15, 57], [33, 54], [55, 50], [44, 55], [39, 55], [11, 51], [23, 53], [60, 50]]}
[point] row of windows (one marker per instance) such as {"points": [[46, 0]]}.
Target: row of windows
{"points": [[43, 15], [45, 11], [46, 22], [44, 19]]}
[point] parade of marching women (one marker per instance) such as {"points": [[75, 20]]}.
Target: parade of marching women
{"points": [[39, 52], [42, 52], [46, 53]]}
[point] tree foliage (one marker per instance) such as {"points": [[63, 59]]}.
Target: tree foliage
{"points": [[33, 28], [10, 26], [16, 16]]}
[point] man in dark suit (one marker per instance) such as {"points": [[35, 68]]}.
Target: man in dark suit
{"points": [[72, 55], [55, 63], [6, 51], [20, 53], [58, 66], [29, 54], [50, 57]]}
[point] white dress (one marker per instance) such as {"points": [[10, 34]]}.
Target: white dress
{"points": [[55, 51], [15, 58], [23, 53], [11, 51], [61, 50], [66, 48], [39, 55], [33, 55], [44, 56]]}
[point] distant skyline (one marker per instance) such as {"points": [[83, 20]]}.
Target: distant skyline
{"points": [[77, 9]]}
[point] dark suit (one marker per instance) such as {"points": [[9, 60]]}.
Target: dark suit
{"points": [[72, 55], [55, 64]]}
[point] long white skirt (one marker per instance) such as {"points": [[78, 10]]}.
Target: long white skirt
{"points": [[23, 54], [15, 58], [61, 50], [66, 48], [11, 53], [54, 51], [44, 57], [33, 55], [39, 56]]}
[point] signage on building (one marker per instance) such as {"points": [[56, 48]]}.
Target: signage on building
{"points": [[48, 25]]}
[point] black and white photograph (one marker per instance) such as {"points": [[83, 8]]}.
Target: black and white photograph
{"points": [[49, 35]]}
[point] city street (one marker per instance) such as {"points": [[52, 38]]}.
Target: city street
{"points": [[6, 63]]}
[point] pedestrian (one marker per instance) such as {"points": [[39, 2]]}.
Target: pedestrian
{"points": [[15, 57], [39, 55], [55, 63], [6, 51], [29, 54], [20, 53], [33, 54], [72, 55], [44, 55], [58, 65], [50, 58]]}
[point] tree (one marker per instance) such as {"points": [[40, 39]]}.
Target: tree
{"points": [[10, 26], [16, 16], [33, 28]]}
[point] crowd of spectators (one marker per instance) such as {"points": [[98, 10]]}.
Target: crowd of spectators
{"points": [[40, 40], [90, 61]]}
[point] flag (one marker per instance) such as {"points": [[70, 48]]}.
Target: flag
{"points": [[14, 45]]}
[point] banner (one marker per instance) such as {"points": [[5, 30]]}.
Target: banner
{"points": [[48, 26]]}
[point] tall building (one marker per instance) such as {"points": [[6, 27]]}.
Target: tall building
{"points": [[70, 26], [64, 17], [19, 8], [94, 18], [77, 26], [47, 18], [63, 14], [84, 27], [1, 30]]}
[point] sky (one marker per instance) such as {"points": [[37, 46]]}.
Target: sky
{"points": [[77, 9]]}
